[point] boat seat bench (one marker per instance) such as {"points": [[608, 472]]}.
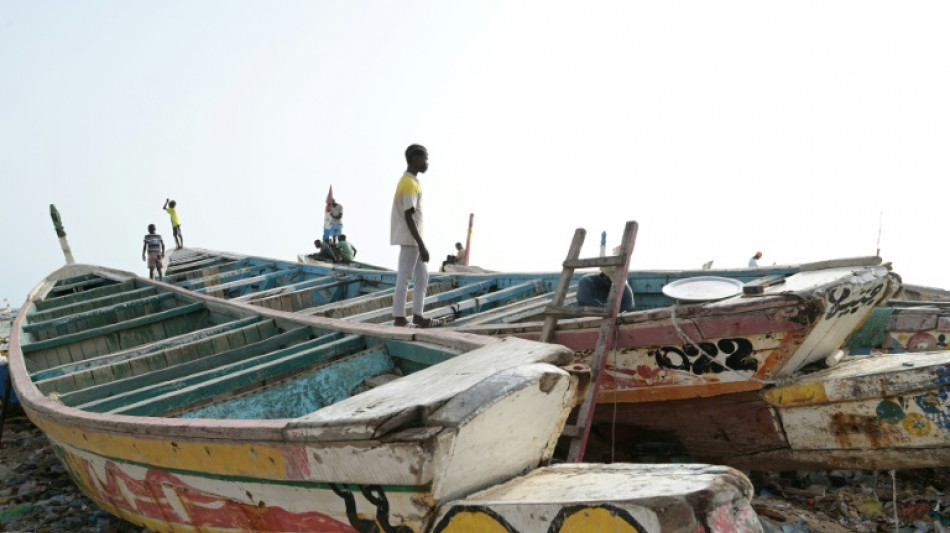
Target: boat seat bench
{"points": [[161, 355], [100, 316], [40, 376], [145, 385], [242, 375], [88, 305], [72, 298], [113, 337]]}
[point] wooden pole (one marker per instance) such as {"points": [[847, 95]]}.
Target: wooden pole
{"points": [[468, 239], [61, 233]]}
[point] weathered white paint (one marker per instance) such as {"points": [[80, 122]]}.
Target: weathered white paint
{"points": [[867, 287], [363, 416], [869, 404], [661, 498]]}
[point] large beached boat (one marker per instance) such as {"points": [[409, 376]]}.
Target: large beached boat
{"points": [[185, 413], [712, 367]]}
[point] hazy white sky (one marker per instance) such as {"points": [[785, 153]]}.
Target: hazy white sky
{"points": [[722, 127]]}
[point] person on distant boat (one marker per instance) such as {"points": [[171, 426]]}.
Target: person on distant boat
{"points": [[405, 231], [336, 222], [754, 261], [458, 258], [154, 247], [324, 252], [327, 223], [593, 290], [176, 224], [347, 250]]}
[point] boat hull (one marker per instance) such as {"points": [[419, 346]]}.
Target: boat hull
{"points": [[385, 457]]}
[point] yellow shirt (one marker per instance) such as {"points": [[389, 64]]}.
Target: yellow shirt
{"points": [[408, 195], [174, 215]]}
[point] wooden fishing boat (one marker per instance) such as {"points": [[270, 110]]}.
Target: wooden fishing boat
{"points": [[181, 412], [708, 366], [890, 409], [184, 413], [916, 320]]}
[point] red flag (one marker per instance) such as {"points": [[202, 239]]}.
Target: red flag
{"points": [[330, 199]]}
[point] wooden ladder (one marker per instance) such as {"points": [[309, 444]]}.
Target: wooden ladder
{"points": [[580, 432]]}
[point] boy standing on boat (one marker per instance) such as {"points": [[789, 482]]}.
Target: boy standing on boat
{"points": [[406, 232], [154, 247], [176, 224]]}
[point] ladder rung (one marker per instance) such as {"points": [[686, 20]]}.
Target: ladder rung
{"points": [[591, 262], [576, 310]]}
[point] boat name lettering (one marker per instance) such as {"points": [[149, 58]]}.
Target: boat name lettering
{"points": [[845, 301], [738, 352]]}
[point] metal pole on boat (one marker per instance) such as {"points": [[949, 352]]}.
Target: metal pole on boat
{"points": [[603, 243], [880, 224], [468, 239], [61, 233]]}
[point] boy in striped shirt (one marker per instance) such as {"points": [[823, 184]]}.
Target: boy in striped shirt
{"points": [[154, 246]]}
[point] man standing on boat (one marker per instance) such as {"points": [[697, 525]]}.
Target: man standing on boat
{"points": [[754, 261], [336, 221], [406, 232]]}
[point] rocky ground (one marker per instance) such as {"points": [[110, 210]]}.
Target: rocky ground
{"points": [[37, 496]]}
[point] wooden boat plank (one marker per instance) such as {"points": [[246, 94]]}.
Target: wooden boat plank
{"points": [[871, 260], [521, 310], [913, 320], [379, 299], [331, 289], [294, 287], [113, 328], [86, 305], [250, 285], [70, 299], [888, 375], [236, 376], [202, 362], [189, 266], [421, 353], [97, 317], [576, 311], [72, 286], [220, 277], [179, 275], [711, 428], [432, 301], [109, 394]]}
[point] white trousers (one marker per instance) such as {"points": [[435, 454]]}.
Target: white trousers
{"points": [[410, 267]]}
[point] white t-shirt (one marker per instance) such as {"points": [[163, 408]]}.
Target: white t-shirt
{"points": [[408, 195]]}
